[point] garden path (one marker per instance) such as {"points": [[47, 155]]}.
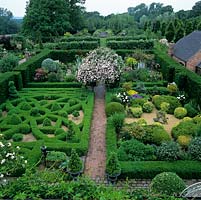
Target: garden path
{"points": [[96, 157]]}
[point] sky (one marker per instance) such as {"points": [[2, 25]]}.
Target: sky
{"points": [[104, 7]]}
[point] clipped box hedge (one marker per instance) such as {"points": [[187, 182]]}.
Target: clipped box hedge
{"points": [[73, 39], [125, 38], [90, 45], [131, 44], [54, 85], [173, 71]]}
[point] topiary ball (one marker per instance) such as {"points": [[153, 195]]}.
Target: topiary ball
{"points": [[17, 137], [180, 112], [25, 129], [34, 112], [167, 183], [25, 106], [184, 140], [114, 107], [136, 111], [148, 107]]}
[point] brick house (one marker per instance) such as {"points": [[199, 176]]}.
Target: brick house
{"points": [[187, 51]]}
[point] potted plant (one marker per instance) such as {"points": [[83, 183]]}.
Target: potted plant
{"points": [[74, 165], [113, 168]]}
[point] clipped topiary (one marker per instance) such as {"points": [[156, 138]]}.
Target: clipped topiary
{"points": [[17, 137], [50, 65], [14, 120], [114, 107], [72, 102], [180, 112], [136, 111], [167, 183], [194, 149], [46, 122], [165, 106], [184, 140], [118, 121], [113, 167], [75, 164], [148, 107], [59, 131], [34, 112], [25, 106], [55, 107], [63, 114], [12, 90], [168, 151]]}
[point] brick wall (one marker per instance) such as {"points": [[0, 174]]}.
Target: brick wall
{"points": [[192, 62]]}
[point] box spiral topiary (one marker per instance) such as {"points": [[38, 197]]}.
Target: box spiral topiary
{"points": [[167, 183], [194, 149], [46, 122], [14, 120], [12, 90], [148, 107], [136, 111], [17, 137], [75, 163], [25, 106], [180, 112], [25, 129], [184, 141], [55, 107], [114, 107], [168, 151]]}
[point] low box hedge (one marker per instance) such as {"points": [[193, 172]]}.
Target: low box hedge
{"points": [[54, 85]]}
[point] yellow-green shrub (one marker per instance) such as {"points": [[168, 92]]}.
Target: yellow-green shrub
{"points": [[184, 140], [180, 112]]}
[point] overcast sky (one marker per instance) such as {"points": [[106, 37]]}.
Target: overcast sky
{"points": [[104, 7]]}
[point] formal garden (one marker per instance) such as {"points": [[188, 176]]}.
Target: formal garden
{"points": [[47, 116]]}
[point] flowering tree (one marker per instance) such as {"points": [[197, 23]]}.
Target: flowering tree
{"points": [[101, 65], [10, 160]]}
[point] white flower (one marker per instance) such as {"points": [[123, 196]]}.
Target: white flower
{"points": [[12, 157], [3, 161], [25, 161], [1, 144], [17, 147], [9, 144], [1, 176]]}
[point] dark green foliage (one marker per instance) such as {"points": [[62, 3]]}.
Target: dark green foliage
{"points": [[76, 113], [25, 129], [12, 90], [173, 101], [191, 111], [168, 151], [55, 107], [1, 113], [35, 112], [113, 167], [53, 21], [194, 149], [132, 44], [184, 128], [25, 106], [52, 77], [179, 34], [170, 32], [114, 107], [14, 120], [84, 38], [17, 137], [83, 45], [167, 183], [75, 163], [8, 63], [134, 150], [117, 121], [46, 122]]}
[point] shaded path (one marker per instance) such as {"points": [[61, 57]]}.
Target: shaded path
{"points": [[96, 157]]}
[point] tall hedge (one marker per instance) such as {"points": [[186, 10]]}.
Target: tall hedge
{"points": [[131, 44], [173, 71], [4, 80]]}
